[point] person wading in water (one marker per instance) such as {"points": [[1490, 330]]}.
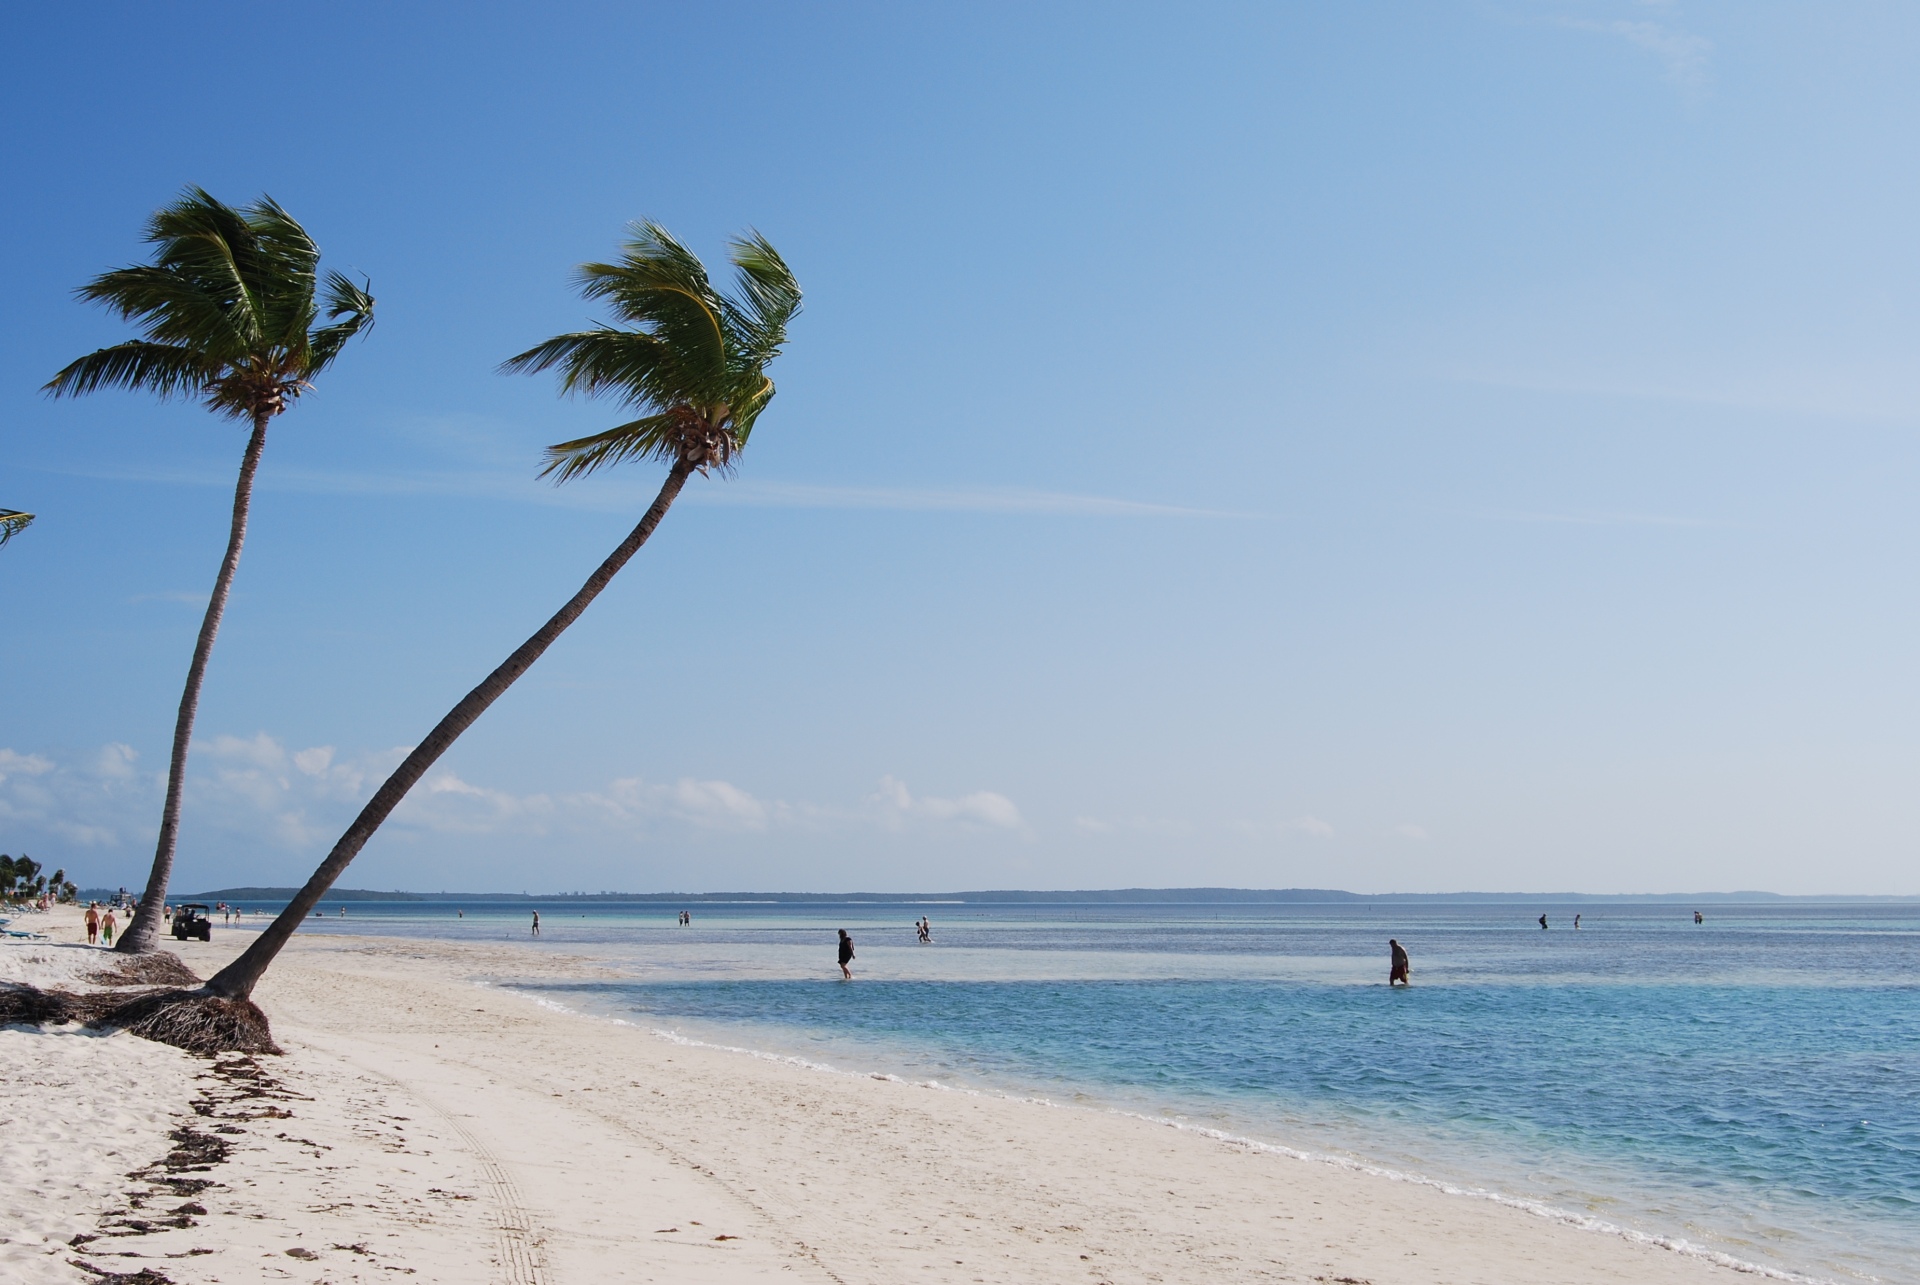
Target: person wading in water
{"points": [[1402, 970], [846, 955]]}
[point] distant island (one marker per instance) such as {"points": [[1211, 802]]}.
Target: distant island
{"points": [[1015, 896]]}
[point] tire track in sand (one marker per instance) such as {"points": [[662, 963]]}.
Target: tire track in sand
{"points": [[523, 1257]]}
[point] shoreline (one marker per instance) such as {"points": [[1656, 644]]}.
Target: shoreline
{"points": [[562, 1144], [1537, 1208]]}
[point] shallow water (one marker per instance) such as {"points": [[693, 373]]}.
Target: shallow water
{"points": [[1750, 1086]]}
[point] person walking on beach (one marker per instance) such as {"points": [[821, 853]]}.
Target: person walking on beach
{"points": [[1543, 921], [106, 927], [1401, 970], [1576, 923], [536, 923], [846, 955], [93, 925]]}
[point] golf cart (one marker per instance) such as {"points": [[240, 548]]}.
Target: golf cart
{"points": [[191, 920]]}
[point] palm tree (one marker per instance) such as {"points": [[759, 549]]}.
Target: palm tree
{"points": [[12, 523], [229, 314], [693, 360]]}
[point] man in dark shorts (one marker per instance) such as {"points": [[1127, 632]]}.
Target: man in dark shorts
{"points": [[1402, 971], [846, 955]]}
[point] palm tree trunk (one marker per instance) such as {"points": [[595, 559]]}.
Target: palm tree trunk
{"points": [[237, 980], [144, 932]]}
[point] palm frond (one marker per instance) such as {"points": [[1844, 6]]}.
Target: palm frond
{"points": [[167, 370], [343, 299], [12, 523], [693, 356], [630, 362], [230, 307], [747, 412], [650, 437], [770, 293], [173, 307], [285, 273], [662, 286], [210, 244]]}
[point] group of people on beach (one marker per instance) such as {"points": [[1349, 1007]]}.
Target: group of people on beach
{"points": [[924, 931], [686, 918]]}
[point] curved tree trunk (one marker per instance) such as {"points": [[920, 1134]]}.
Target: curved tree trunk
{"points": [[145, 929], [237, 980]]}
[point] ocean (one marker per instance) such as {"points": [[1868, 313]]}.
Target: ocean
{"points": [[1747, 1087]]}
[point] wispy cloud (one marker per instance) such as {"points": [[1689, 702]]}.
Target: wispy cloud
{"points": [[1685, 56], [896, 806], [617, 493], [1589, 518], [800, 495], [637, 807], [257, 790]]}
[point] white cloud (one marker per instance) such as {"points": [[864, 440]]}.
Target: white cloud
{"points": [[100, 801], [710, 805], [314, 762], [1311, 825], [1407, 830], [14, 764], [116, 761], [446, 804]]}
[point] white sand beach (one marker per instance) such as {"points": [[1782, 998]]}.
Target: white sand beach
{"points": [[422, 1125]]}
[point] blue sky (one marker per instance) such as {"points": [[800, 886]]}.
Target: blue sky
{"points": [[1394, 447]]}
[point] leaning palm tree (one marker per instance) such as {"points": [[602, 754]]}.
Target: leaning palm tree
{"points": [[693, 361], [230, 314], [12, 523]]}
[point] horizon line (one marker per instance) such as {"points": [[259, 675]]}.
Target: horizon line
{"points": [[1014, 895]]}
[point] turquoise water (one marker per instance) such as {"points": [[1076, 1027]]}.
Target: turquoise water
{"points": [[1748, 1087]]}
